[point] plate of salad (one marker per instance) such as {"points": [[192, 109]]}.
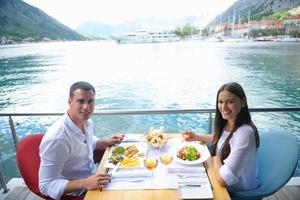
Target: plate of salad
{"points": [[192, 153]]}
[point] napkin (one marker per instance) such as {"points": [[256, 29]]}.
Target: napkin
{"points": [[179, 169], [195, 192], [131, 173]]}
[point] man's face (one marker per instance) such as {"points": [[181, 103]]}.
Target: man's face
{"points": [[81, 105]]}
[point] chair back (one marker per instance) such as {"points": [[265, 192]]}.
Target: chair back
{"points": [[277, 157], [28, 159], [29, 162]]}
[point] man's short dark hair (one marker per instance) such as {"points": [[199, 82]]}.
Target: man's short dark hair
{"points": [[83, 85]]}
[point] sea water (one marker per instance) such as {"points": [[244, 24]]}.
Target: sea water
{"points": [[179, 75]]}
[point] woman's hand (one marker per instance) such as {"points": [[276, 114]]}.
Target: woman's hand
{"points": [[189, 136]]}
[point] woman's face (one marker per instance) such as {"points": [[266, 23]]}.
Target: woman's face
{"points": [[229, 105]]}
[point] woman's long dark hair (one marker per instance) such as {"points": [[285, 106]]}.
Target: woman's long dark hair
{"points": [[242, 118]]}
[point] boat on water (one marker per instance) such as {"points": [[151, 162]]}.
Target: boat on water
{"points": [[264, 39], [277, 39], [214, 39], [287, 39], [143, 36], [236, 39]]}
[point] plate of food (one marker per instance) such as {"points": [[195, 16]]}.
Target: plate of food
{"points": [[156, 138], [129, 156], [192, 153]]}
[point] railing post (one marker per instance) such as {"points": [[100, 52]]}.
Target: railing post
{"points": [[3, 182], [13, 131], [209, 123]]}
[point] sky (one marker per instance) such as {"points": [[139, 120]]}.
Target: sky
{"points": [[74, 12]]}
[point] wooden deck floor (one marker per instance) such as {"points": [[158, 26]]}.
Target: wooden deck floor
{"points": [[286, 193], [22, 193]]}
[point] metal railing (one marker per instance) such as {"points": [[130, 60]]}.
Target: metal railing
{"points": [[132, 112]]}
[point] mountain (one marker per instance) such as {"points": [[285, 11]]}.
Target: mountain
{"points": [[258, 9], [95, 29], [19, 21], [150, 24]]}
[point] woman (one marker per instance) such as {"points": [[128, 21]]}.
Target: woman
{"points": [[235, 142]]}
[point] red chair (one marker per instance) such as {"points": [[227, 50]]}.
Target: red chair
{"points": [[29, 162]]}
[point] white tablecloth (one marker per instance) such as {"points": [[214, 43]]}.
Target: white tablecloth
{"points": [[163, 177]]}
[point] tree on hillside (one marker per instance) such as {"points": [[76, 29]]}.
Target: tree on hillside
{"points": [[280, 16], [186, 30]]}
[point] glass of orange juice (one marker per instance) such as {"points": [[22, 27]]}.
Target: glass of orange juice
{"points": [[150, 161], [164, 155], [165, 159]]}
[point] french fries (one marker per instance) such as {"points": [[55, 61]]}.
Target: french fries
{"points": [[130, 162]]}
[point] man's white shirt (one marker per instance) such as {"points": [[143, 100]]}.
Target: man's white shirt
{"points": [[66, 154]]}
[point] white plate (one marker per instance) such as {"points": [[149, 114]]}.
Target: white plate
{"points": [[204, 153], [139, 147]]}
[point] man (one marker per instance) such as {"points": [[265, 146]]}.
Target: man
{"points": [[66, 150]]}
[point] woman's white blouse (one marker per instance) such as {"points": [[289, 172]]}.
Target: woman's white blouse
{"points": [[240, 168], [66, 154]]}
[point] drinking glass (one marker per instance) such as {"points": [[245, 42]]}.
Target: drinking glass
{"points": [[150, 161], [165, 159], [165, 155]]}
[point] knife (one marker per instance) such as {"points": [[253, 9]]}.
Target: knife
{"points": [[190, 185], [195, 184]]}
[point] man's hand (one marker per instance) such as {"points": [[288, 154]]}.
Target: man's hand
{"points": [[104, 143], [95, 181], [116, 139]]}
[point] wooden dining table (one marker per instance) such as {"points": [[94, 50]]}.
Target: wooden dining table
{"points": [[219, 192]]}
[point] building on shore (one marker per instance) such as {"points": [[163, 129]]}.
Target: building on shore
{"points": [[292, 24]]}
